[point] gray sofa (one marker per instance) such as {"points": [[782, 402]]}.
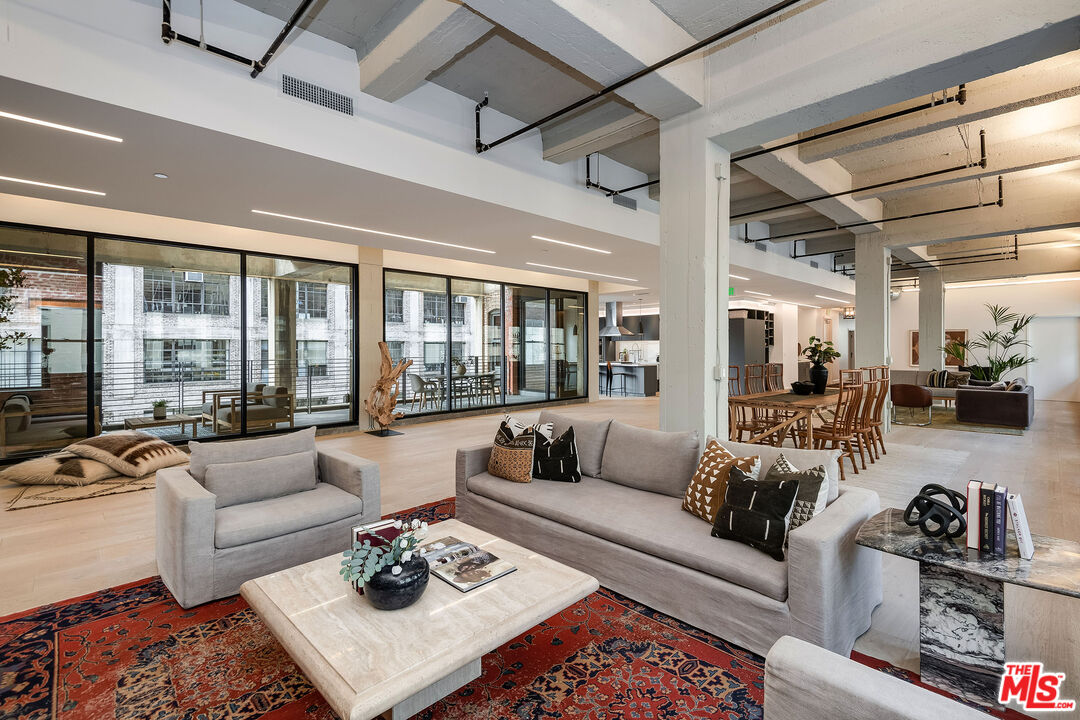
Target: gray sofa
{"points": [[260, 521], [979, 403], [624, 524], [919, 377], [805, 682]]}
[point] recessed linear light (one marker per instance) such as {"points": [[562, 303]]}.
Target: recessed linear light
{"points": [[755, 292], [792, 302], [373, 232], [1011, 282], [737, 277], [570, 244], [57, 126], [161, 176], [583, 272], [50, 185], [826, 297]]}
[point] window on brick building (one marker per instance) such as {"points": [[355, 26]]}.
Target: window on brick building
{"points": [[310, 300], [185, 293]]}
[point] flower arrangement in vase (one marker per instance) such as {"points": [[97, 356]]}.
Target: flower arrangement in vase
{"points": [[393, 574]]}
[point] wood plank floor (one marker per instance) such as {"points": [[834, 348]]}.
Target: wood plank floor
{"points": [[60, 551]]}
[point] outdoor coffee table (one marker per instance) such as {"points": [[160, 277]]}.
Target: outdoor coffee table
{"points": [[368, 662], [147, 421]]}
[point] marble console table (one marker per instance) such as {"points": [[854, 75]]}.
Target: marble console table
{"points": [[962, 598]]}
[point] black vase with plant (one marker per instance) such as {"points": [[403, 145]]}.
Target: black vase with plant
{"points": [[390, 571], [819, 352]]}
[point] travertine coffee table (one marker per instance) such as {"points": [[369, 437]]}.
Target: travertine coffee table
{"points": [[368, 662]]}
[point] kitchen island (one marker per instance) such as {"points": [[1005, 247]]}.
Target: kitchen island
{"points": [[642, 378]]}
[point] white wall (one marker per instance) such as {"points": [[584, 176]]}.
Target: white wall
{"points": [[1052, 337]]}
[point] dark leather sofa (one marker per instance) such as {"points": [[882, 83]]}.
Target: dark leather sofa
{"points": [[979, 403]]}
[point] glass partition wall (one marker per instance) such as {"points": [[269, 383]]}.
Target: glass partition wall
{"points": [[218, 342], [477, 344]]}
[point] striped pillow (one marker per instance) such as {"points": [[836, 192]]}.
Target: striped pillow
{"points": [[938, 379], [556, 459], [756, 513]]}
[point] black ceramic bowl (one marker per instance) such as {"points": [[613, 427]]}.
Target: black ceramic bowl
{"points": [[387, 591], [802, 388]]}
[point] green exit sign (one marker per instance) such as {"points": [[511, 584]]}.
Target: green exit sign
{"points": [[731, 292]]}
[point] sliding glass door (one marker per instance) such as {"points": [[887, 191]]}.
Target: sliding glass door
{"points": [[477, 343], [43, 336], [299, 360], [168, 346]]}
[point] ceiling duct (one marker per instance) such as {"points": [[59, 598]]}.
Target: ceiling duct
{"points": [[613, 326]]}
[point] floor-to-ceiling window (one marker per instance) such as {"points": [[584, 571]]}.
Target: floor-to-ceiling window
{"points": [[43, 341], [299, 358], [170, 334], [476, 343], [175, 350]]}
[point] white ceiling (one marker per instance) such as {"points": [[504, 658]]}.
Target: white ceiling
{"points": [[219, 178]]}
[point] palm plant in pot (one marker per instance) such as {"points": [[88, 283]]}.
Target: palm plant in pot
{"points": [[1004, 348], [820, 352], [393, 574]]}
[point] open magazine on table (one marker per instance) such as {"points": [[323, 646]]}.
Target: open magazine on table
{"points": [[462, 564]]}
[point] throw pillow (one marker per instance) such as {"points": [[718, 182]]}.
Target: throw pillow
{"points": [[130, 452], [245, 482], [937, 378], [813, 493], [204, 454], [1017, 385], [706, 489], [517, 427], [756, 513], [956, 379], [999, 385], [512, 455], [556, 459], [60, 469]]}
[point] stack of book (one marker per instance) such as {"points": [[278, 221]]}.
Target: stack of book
{"points": [[988, 507]]}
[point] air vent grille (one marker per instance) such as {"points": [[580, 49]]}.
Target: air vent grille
{"points": [[814, 264], [625, 202], [315, 94], [760, 246]]}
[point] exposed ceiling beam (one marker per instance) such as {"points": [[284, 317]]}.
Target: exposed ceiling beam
{"points": [[787, 172], [608, 42], [1023, 87], [1040, 151], [415, 38], [594, 129]]}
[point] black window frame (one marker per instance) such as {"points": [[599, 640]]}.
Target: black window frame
{"points": [[434, 308], [168, 292], [312, 300], [95, 350]]}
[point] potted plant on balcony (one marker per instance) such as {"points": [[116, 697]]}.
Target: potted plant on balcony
{"points": [[1005, 350], [160, 407], [819, 352]]}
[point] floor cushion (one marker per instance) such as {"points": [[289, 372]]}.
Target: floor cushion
{"points": [[60, 469], [130, 452]]}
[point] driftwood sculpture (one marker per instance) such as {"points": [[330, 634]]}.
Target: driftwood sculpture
{"points": [[382, 399]]}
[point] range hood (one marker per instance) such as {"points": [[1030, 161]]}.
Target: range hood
{"points": [[613, 326]]}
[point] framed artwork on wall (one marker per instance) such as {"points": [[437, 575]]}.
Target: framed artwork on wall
{"points": [[950, 336]]}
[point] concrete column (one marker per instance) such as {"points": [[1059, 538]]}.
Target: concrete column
{"points": [[370, 321], [872, 259], [281, 311], [931, 320], [593, 335], [693, 278]]}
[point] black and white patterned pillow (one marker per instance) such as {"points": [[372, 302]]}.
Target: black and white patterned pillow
{"points": [[556, 459], [813, 489], [517, 427], [756, 512]]}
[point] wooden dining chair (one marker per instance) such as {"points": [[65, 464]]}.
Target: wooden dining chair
{"points": [[755, 378], [774, 376], [877, 435], [839, 432], [863, 430]]}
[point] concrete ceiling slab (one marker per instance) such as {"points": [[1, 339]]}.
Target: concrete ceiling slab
{"points": [[343, 21], [702, 18]]}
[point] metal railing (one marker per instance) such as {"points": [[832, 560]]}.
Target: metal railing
{"points": [[190, 390]]}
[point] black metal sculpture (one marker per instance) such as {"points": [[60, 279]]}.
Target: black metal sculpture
{"points": [[937, 518]]}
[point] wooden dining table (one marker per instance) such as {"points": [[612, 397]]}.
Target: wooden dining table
{"points": [[794, 410]]}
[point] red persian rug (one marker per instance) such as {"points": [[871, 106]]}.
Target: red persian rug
{"points": [[132, 653]]}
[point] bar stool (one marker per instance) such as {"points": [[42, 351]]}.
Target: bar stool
{"points": [[611, 377]]}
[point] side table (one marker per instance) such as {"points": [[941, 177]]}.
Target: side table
{"points": [[962, 598]]}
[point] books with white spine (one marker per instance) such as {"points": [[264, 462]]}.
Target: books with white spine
{"points": [[1020, 526], [973, 531]]}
